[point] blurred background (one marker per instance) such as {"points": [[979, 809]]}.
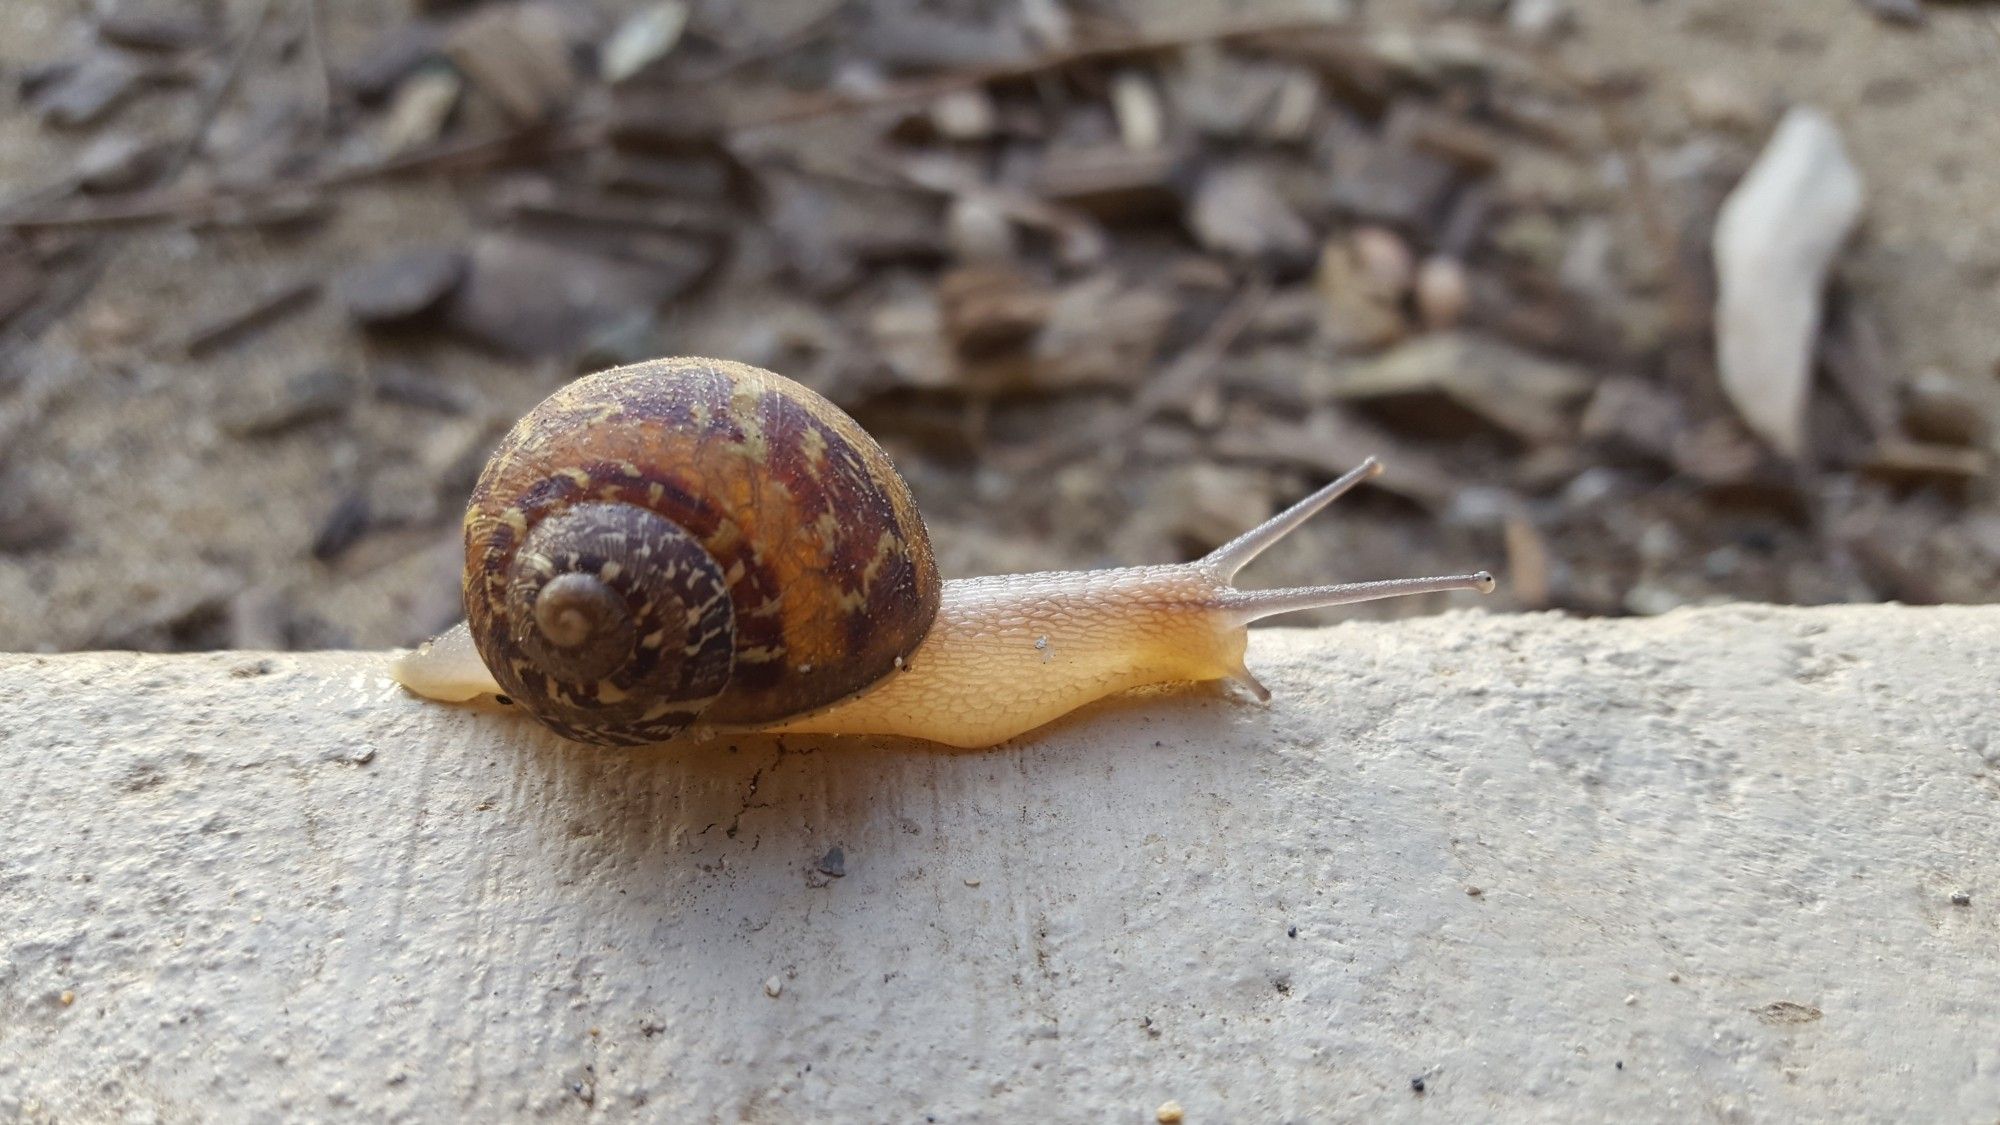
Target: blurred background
{"points": [[1112, 280]]}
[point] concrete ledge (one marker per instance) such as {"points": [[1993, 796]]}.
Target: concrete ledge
{"points": [[1734, 863]]}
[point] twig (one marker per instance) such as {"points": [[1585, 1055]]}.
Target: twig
{"points": [[806, 33], [167, 206], [1184, 377], [212, 104], [322, 65], [278, 303], [834, 102], [1181, 379]]}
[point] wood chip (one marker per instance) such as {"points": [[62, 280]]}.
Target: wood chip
{"points": [[525, 296], [21, 282], [647, 36], [828, 231], [1901, 13], [1631, 416], [306, 396], [987, 310], [232, 328], [28, 521], [1101, 332], [1528, 567], [1227, 96], [516, 55], [1237, 212], [1329, 443], [907, 39], [401, 287], [1357, 310], [120, 162], [1940, 409], [1473, 148], [88, 93], [379, 69], [396, 382], [424, 102], [1913, 462], [1112, 182], [1394, 185], [153, 30], [1142, 120], [1524, 395], [344, 526]]}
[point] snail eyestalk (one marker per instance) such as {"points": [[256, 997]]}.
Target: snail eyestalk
{"points": [[1236, 554], [1247, 606], [1256, 605]]}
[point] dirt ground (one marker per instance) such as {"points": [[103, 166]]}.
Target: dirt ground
{"points": [[150, 515]]}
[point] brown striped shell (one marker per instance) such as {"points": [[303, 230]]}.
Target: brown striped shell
{"points": [[691, 538]]}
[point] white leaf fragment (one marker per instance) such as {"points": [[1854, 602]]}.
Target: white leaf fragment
{"points": [[1774, 242]]}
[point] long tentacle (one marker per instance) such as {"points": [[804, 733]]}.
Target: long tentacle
{"points": [[1234, 555], [1254, 605]]}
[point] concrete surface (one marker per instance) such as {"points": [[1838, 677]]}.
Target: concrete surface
{"points": [[1699, 867]]}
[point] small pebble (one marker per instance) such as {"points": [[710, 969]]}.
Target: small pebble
{"points": [[68, 998], [402, 287], [1442, 292], [1961, 899], [1475, 892], [773, 986], [1717, 101], [972, 882], [1417, 1084], [1540, 20], [1169, 1113], [1631, 999], [343, 526], [834, 863], [1385, 261]]}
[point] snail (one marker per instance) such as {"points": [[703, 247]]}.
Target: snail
{"points": [[698, 543]]}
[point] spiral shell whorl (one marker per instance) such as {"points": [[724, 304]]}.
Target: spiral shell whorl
{"points": [[691, 537], [621, 625]]}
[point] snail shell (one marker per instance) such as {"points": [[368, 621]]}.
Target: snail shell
{"points": [[691, 538]]}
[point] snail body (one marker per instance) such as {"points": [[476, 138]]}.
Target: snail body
{"points": [[692, 542]]}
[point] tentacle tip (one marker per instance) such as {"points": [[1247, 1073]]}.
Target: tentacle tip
{"points": [[1372, 465], [1483, 582]]}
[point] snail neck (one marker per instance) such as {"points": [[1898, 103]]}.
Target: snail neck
{"points": [[1009, 653]]}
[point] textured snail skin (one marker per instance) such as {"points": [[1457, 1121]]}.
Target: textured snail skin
{"points": [[1010, 653], [778, 578]]}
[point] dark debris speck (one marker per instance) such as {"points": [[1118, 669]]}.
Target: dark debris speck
{"points": [[834, 863]]}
